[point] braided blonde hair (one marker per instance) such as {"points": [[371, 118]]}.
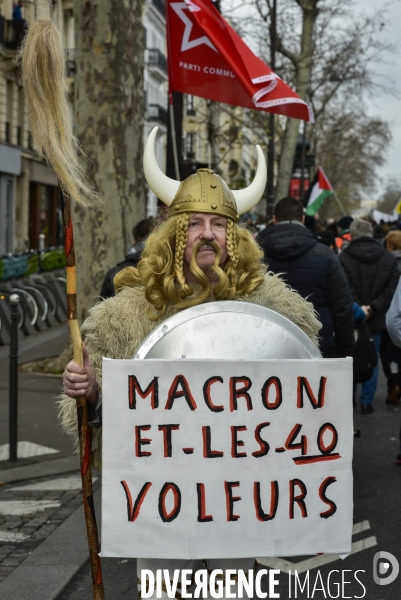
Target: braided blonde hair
{"points": [[161, 269], [180, 244], [232, 249]]}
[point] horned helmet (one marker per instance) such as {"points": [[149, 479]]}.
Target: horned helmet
{"points": [[204, 191]]}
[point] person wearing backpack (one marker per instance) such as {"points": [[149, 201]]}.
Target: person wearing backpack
{"points": [[313, 270], [373, 276]]}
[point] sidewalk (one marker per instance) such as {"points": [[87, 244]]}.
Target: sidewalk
{"points": [[37, 394], [42, 529], [43, 573]]}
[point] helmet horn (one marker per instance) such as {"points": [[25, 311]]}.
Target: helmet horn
{"points": [[250, 196], [164, 187]]}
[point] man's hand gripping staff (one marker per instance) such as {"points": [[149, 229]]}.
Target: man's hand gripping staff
{"points": [[81, 381]]}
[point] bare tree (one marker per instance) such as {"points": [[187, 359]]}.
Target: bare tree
{"points": [[301, 61], [391, 196], [328, 57], [109, 109], [226, 127], [351, 148]]}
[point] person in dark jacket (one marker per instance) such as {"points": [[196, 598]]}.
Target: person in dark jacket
{"points": [[313, 270], [373, 276], [391, 355], [328, 238], [17, 11], [140, 232]]}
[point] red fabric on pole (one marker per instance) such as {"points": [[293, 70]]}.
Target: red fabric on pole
{"points": [[324, 183], [207, 58]]}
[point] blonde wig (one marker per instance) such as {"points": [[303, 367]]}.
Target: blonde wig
{"points": [[161, 269], [42, 62]]}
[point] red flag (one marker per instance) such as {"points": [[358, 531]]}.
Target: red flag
{"points": [[207, 58]]}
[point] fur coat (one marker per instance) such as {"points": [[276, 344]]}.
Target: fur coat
{"points": [[116, 327]]}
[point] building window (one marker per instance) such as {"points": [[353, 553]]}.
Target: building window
{"points": [[6, 214], [190, 106], [21, 118], [44, 215], [30, 141], [190, 146], [233, 168], [10, 106]]}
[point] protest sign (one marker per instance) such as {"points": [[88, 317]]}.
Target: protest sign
{"points": [[213, 459]]}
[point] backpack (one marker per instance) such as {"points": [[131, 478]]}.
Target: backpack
{"points": [[365, 355]]}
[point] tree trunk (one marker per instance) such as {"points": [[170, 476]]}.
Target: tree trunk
{"points": [[109, 112], [303, 73]]}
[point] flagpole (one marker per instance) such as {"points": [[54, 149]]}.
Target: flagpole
{"points": [[303, 160], [171, 99], [173, 136], [271, 149], [339, 203]]}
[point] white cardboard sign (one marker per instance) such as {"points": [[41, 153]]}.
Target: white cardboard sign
{"points": [[223, 459]]}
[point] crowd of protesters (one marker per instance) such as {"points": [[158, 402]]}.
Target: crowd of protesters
{"points": [[352, 282], [369, 256]]}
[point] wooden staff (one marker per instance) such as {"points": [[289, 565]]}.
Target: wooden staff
{"points": [[85, 434], [42, 60]]}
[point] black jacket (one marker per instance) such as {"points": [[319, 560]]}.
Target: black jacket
{"points": [[373, 275], [131, 259], [313, 270]]}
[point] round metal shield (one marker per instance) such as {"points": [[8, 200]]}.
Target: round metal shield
{"points": [[227, 330]]}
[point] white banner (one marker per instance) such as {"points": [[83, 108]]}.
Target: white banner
{"points": [[223, 459], [379, 216]]}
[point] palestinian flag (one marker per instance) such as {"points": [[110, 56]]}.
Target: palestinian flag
{"points": [[319, 190]]}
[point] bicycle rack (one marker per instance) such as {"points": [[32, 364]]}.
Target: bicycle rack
{"points": [[48, 296], [39, 279], [58, 291], [5, 319], [27, 328]]}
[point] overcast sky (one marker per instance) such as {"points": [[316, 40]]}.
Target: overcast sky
{"points": [[385, 104]]}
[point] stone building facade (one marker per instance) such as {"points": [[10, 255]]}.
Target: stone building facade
{"points": [[29, 195], [28, 187]]}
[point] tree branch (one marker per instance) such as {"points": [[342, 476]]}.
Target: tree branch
{"points": [[294, 58]]}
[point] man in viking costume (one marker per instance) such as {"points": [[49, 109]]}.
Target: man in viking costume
{"points": [[198, 254]]}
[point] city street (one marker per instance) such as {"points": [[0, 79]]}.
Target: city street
{"points": [[49, 485]]}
